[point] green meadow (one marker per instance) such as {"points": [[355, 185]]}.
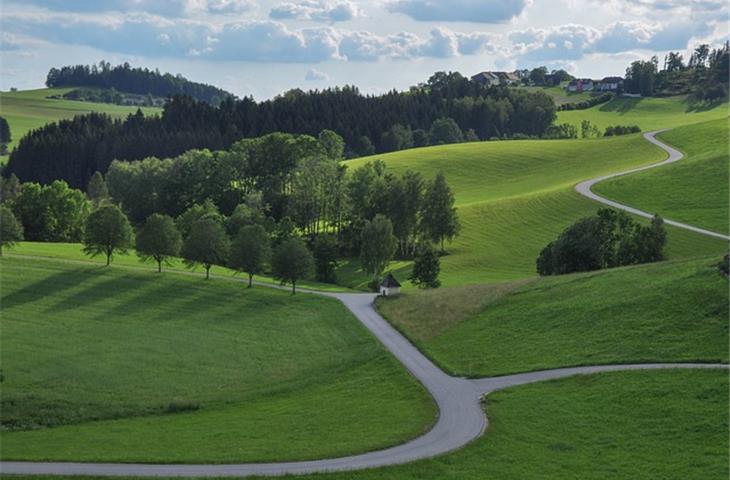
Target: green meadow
{"points": [[29, 109], [663, 312], [647, 113], [693, 190], [669, 424], [516, 196], [109, 364]]}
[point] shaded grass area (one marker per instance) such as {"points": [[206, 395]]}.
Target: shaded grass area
{"points": [[100, 354], [29, 109], [663, 312], [647, 113], [693, 190], [669, 424], [74, 251]]}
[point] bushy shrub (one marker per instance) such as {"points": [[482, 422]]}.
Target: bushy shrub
{"points": [[180, 405], [603, 98], [621, 130]]}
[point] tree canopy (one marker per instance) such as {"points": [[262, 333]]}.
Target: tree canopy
{"points": [[292, 261], [250, 251], [107, 231], [158, 239], [206, 244], [11, 231]]}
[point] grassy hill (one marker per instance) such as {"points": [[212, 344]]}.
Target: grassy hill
{"points": [[560, 95], [104, 355], [647, 113], [694, 190], [516, 196], [29, 109], [634, 425], [668, 311]]}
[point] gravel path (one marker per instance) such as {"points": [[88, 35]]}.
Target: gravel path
{"points": [[461, 418], [584, 188]]}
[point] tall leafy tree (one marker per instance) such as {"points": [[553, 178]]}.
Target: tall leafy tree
{"points": [[107, 231], [187, 219], [439, 220], [325, 257], [426, 268], [444, 131], [51, 213], [97, 190], [377, 245], [11, 231], [158, 239], [206, 244], [292, 261], [250, 251]]}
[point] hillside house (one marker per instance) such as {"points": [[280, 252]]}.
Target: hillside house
{"points": [[610, 84], [389, 286], [491, 79], [581, 85]]}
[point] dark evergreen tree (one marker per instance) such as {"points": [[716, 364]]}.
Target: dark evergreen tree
{"points": [[426, 268]]}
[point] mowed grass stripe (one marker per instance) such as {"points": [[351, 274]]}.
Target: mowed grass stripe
{"points": [[99, 354]]}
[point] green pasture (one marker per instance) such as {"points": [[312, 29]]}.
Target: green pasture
{"points": [[96, 360], [693, 190]]}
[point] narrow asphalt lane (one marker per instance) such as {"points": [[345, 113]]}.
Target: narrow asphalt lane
{"points": [[584, 188]]}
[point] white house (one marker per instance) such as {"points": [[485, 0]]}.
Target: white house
{"points": [[389, 286]]}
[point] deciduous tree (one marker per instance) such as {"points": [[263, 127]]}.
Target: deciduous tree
{"points": [[158, 239], [11, 231], [291, 262], [250, 251], [107, 231], [206, 244]]}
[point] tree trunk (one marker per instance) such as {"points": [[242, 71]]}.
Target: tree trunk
{"points": [[159, 265], [294, 287], [250, 280], [108, 258], [207, 272]]}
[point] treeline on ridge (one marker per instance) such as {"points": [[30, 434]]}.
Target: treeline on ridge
{"points": [[74, 149], [141, 81]]}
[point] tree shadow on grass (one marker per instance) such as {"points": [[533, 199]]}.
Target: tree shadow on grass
{"points": [[51, 285], [99, 291]]}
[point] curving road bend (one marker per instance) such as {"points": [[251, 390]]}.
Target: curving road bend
{"points": [[584, 188], [460, 421], [461, 418]]}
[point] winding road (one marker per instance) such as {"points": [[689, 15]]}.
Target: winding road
{"points": [[584, 188], [461, 418]]}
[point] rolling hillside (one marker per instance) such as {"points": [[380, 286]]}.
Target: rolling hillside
{"points": [[694, 190], [667, 311], [516, 196], [647, 113], [171, 368], [29, 109]]}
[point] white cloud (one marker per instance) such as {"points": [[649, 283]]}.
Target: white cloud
{"points": [[169, 8], [317, 10], [314, 75], [481, 11], [8, 42]]}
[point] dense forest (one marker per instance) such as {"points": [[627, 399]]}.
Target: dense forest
{"points": [[141, 81], [74, 149]]}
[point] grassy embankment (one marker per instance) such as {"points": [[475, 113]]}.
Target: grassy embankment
{"points": [[104, 355]]}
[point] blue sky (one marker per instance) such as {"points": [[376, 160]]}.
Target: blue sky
{"points": [[263, 48]]}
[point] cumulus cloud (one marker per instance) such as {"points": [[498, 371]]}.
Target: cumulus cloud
{"points": [[317, 10], [314, 75], [170, 8], [8, 42], [572, 42], [482, 11]]}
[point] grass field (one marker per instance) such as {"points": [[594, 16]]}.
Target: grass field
{"points": [[694, 190], [669, 424], [28, 109], [100, 354], [560, 95], [647, 113], [516, 196], [668, 311]]}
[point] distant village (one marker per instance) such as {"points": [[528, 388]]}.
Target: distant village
{"points": [[525, 77]]}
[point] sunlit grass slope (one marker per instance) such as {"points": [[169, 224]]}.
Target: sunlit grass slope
{"points": [[647, 113], [667, 311], [28, 109], [100, 353], [694, 190], [516, 196]]}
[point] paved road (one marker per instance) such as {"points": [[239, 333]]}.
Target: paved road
{"points": [[584, 188], [460, 420]]}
